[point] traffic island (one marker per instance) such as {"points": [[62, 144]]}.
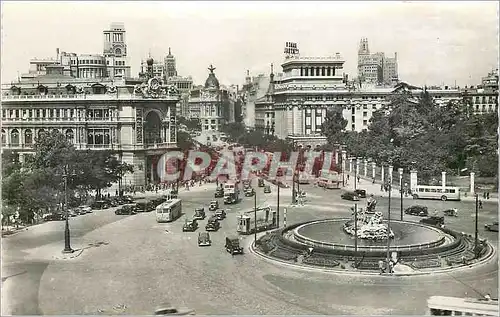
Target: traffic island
{"points": [[415, 249]]}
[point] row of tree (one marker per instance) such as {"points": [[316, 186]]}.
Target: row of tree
{"points": [[423, 135], [37, 185]]}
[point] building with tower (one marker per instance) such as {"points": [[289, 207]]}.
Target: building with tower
{"points": [[136, 119], [170, 67], [376, 68], [113, 63], [254, 88]]}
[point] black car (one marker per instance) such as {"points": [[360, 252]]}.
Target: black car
{"points": [[417, 210], [53, 217], [127, 199], [249, 192], [100, 204], [158, 201], [361, 193], [199, 213], [267, 189], [204, 239], [233, 245], [350, 196], [190, 225], [433, 220], [144, 205], [261, 182], [213, 224], [125, 210], [214, 205], [219, 193], [220, 214], [492, 226]]}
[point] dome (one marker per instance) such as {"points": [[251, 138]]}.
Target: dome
{"points": [[150, 61], [212, 81]]}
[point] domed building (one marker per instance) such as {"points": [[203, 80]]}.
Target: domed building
{"points": [[212, 104]]}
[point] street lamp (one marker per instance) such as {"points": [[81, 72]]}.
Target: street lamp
{"points": [[400, 170], [355, 209], [476, 242], [255, 217], [278, 206], [389, 222], [67, 242]]}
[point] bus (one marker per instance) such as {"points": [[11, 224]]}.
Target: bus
{"points": [[456, 306], [169, 210], [330, 181], [436, 192]]}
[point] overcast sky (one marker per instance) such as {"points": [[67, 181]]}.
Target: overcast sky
{"points": [[436, 42]]}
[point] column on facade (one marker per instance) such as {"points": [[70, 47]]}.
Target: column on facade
{"points": [[373, 170], [336, 157], [443, 179], [344, 156], [472, 184], [413, 179], [365, 166], [382, 175], [350, 165], [357, 167], [400, 171]]}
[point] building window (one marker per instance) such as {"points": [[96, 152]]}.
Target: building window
{"points": [[353, 110], [90, 138], [374, 107], [4, 114], [365, 122], [4, 137], [353, 127], [41, 133], [14, 137], [70, 136], [365, 106], [365, 114], [28, 137]]}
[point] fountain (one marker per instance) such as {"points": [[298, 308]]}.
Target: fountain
{"points": [[370, 228]]}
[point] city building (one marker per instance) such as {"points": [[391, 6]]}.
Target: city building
{"points": [[254, 88], [483, 98], [170, 67], [184, 85], [136, 119], [162, 69], [213, 104], [376, 68], [113, 63]]}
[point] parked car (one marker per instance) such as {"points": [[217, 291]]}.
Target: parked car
{"points": [[220, 214], [219, 193], [199, 213], [84, 209], [214, 205], [249, 192], [100, 204], [125, 210], [361, 193], [433, 220], [492, 226], [190, 225], [144, 205], [261, 182], [233, 245], [73, 212], [53, 216], [204, 239], [213, 224], [113, 202], [417, 210], [127, 199], [168, 309], [350, 196], [267, 189]]}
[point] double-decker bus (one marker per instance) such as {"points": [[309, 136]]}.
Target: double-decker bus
{"points": [[169, 210], [436, 192], [456, 306]]}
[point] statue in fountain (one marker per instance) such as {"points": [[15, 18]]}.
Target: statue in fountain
{"points": [[369, 227]]}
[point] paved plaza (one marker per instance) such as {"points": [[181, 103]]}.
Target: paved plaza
{"points": [[130, 264]]}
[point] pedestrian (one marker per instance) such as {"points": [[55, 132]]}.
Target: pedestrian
{"points": [[484, 195], [116, 192], [381, 266], [347, 176], [381, 187], [487, 195], [373, 180], [480, 204], [358, 179]]}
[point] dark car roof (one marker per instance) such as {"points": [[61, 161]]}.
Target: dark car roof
{"points": [[199, 208], [204, 234], [232, 238]]}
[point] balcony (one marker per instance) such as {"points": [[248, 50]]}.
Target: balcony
{"points": [[115, 96]]}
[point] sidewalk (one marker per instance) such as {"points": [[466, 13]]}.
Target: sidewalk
{"points": [[366, 184]]}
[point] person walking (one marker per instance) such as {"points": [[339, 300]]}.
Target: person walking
{"points": [[487, 195], [480, 204]]}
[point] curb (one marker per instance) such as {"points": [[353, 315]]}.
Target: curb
{"points": [[73, 255], [306, 267]]}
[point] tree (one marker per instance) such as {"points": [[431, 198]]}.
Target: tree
{"points": [[333, 125], [234, 130], [192, 124], [184, 141]]}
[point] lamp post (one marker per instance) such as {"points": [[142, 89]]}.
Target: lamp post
{"points": [[389, 222], [355, 210], [278, 207], [255, 217], [400, 170], [67, 242], [476, 242]]}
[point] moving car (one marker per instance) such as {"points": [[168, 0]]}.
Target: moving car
{"points": [[361, 193], [214, 205], [261, 182], [82, 210], [199, 213], [233, 245], [204, 239], [168, 309], [417, 210], [433, 220], [220, 214], [125, 210], [492, 226], [219, 192], [190, 225], [100, 204], [451, 212], [213, 224], [267, 189], [249, 192], [350, 196]]}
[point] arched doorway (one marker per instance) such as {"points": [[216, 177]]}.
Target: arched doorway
{"points": [[152, 128]]}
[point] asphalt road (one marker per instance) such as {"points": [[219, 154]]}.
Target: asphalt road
{"points": [[143, 263]]}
